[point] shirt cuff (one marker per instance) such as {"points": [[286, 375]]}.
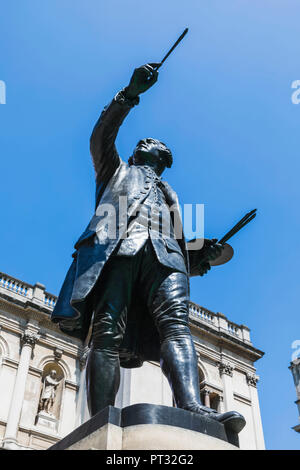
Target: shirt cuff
{"points": [[120, 98]]}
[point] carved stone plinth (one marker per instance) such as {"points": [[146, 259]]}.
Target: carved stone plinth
{"points": [[148, 427], [44, 420]]}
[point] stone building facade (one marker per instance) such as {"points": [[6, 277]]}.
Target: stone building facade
{"points": [[295, 369], [42, 371]]}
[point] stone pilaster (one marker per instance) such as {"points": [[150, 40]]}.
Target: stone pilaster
{"points": [[81, 408], [221, 404], [226, 372], [28, 341], [252, 380], [206, 393]]}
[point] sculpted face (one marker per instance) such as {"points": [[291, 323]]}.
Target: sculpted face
{"points": [[153, 153], [53, 373]]}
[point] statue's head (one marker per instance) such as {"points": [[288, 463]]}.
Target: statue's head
{"points": [[53, 373], [153, 153]]}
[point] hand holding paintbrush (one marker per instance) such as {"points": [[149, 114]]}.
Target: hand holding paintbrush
{"points": [[145, 76], [216, 252]]}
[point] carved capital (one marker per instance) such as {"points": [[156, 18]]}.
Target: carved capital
{"points": [[252, 379], [29, 339], [83, 358], [225, 368]]}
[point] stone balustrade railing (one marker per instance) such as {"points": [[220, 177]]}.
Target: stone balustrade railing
{"points": [[200, 312], [220, 322], [50, 300], [14, 285], [233, 328], [20, 288], [37, 293]]}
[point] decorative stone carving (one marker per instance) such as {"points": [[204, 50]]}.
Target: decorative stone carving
{"points": [[58, 353], [225, 368], [83, 358], [252, 379], [29, 338], [48, 393]]}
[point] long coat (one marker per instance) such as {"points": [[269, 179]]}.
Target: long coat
{"points": [[115, 182]]}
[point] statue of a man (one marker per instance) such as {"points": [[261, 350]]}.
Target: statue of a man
{"points": [[48, 392], [132, 276]]}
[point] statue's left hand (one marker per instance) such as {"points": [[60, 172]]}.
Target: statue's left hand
{"points": [[203, 268], [211, 251], [142, 79]]}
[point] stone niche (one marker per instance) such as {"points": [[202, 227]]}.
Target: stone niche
{"points": [[50, 398]]}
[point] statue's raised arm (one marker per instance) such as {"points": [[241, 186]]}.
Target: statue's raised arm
{"points": [[102, 142]]}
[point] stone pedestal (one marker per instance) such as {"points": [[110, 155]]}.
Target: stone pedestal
{"points": [[44, 420], [148, 427]]}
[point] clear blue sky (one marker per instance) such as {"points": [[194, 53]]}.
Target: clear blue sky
{"points": [[222, 104]]}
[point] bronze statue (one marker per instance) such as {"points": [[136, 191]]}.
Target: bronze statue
{"points": [[132, 276]]}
